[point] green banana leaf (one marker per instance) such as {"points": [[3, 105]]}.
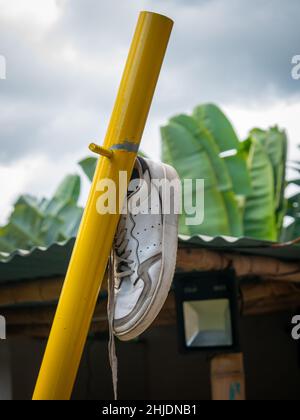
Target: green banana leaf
{"points": [[203, 137], [67, 192], [293, 203], [70, 216], [210, 127], [244, 185], [292, 231], [275, 143], [69, 189], [259, 216], [193, 153], [239, 174], [211, 119], [36, 222], [27, 220], [9, 242], [88, 166]]}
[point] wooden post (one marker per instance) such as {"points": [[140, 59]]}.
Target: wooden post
{"points": [[228, 378]]}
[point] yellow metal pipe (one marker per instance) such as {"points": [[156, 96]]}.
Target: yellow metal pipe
{"points": [[94, 241]]}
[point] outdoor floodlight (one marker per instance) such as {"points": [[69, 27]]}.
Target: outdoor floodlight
{"points": [[207, 311]]}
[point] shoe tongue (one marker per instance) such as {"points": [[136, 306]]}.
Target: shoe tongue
{"points": [[135, 177], [135, 174], [138, 200]]}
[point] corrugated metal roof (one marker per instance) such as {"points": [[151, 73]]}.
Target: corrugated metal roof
{"points": [[37, 263], [51, 262], [245, 246]]}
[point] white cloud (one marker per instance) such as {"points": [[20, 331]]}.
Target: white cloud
{"points": [[65, 59], [42, 13], [285, 114]]}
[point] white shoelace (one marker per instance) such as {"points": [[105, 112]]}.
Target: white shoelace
{"points": [[119, 259]]}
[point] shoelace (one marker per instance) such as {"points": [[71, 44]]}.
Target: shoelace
{"points": [[110, 315], [119, 259], [122, 261]]}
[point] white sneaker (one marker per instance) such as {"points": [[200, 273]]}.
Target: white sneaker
{"points": [[145, 250]]}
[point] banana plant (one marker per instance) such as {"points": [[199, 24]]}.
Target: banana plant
{"points": [[244, 181], [42, 222], [259, 215], [244, 185], [88, 165], [292, 231], [196, 147], [275, 143]]}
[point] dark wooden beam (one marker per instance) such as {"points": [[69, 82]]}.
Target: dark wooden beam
{"points": [[257, 299]]}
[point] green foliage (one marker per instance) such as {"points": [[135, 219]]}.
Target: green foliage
{"points": [[195, 155], [259, 215], [244, 181], [88, 166], [244, 185], [275, 145], [209, 117], [293, 209], [36, 222]]}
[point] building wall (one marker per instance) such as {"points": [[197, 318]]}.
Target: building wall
{"points": [[152, 368], [5, 372]]}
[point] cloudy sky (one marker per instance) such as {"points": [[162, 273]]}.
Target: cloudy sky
{"points": [[65, 59]]}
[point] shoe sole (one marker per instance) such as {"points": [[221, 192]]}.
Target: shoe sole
{"points": [[164, 284]]}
